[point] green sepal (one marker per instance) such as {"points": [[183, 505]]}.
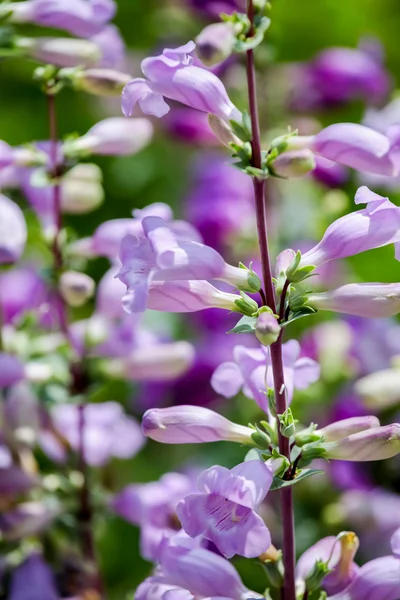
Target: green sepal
{"points": [[246, 305], [312, 451], [245, 325], [307, 436], [261, 438], [302, 273], [274, 571], [305, 311], [272, 432], [316, 576], [287, 423], [256, 454], [244, 43], [242, 130], [279, 483]]}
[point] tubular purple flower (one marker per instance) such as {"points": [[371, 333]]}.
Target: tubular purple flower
{"points": [[192, 425], [377, 443], [112, 137], [63, 52], [224, 510], [13, 232], [82, 18], [380, 390], [173, 75], [395, 543], [267, 329], [11, 370], [295, 163], [101, 82], [371, 300], [353, 145], [372, 227], [33, 574], [376, 580], [112, 47], [342, 429]]}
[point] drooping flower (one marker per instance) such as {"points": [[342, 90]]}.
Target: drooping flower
{"points": [[13, 231], [107, 432], [173, 75], [370, 300], [372, 227], [224, 510], [152, 506], [161, 256], [252, 372], [191, 425]]}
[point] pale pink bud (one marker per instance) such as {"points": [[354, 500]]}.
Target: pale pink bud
{"points": [[63, 52], [295, 163], [342, 429], [378, 443], [215, 43], [101, 82], [76, 288], [371, 300], [81, 189], [191, 425], [267, 329]]}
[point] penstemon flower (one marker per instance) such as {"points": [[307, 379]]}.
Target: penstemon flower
{"points": [[13, 231], [174, 75], [371, 300]]}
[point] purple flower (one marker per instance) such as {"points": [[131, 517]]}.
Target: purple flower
{"points": [[341, 429], [376, 580], [173, 75], [370, 300], [21, 290], [331, 174], [82, 18], [215, 43], [352, 145], [190, 126], [395, 543], [224, 510], [32, 580], [377, 443], [108, 432], [13, 232], [112, 47], [152, 506], [112, 137], [11, 370], [62, 52], [13, 480], [191, 425], [372, 227], [338, 552], [213, 8], [162, 257], [26, 519], [338, 75], [187, 572], [251, 370]]}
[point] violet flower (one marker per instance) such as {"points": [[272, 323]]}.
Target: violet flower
{"points": [[13, 231], [370, 300], [251, 371], [224, 510], [395, 543], [191, 425], [108, 433], [372, 227], [190, 126], [33, 579], [152, 506], [162, 257], [187, 572], [376, 580], [173, 75], [12, 370], [378, 443], [82, 18], [352, 145]]}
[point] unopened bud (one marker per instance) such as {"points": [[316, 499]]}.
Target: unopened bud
{"points": [[267, 329], [81, 189], [112, 137], [222, 130], [215, 43], [295, 163], [63, 52], [191, 425], [76, 288], [373, 444], [342, 429], [101, 82], [287, 423]]}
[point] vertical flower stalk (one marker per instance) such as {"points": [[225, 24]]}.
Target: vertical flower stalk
{"points": [[289, 592]]}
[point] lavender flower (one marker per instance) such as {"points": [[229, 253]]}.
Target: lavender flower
{"points": [[11, 370], [173, 75], [377, 443], [395, 543], [376, 225], [224, 510], [251, 370], [190, 126], [191, 425], [13, 232], [33, 579], [215, 43], [375, 580], [342, 429], [371, 300]]}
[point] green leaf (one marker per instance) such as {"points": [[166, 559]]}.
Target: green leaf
{"points": [[245, 325], [306, 311], [256, 454], [279, 483]]}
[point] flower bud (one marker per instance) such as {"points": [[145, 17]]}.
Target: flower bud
{"points": [[191, 425], [295, 163], [283, 261], [76, 288], [370, 300], [342, 429], [81, 189], [380, 390], [13, 232], [63, 52], [101, 82], [378, 443], [215, 43], [267, 329], [222, 130], [112, 137]]}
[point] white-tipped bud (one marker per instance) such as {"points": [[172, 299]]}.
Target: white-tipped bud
{"points": [[81, 189], [222, 130], [267, 329], [215, 43], [295, 163], [101, 82], [76, 288], [380, 390], [63, 52]]}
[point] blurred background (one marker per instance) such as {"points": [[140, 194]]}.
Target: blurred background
{"points": [[185, 168]]}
